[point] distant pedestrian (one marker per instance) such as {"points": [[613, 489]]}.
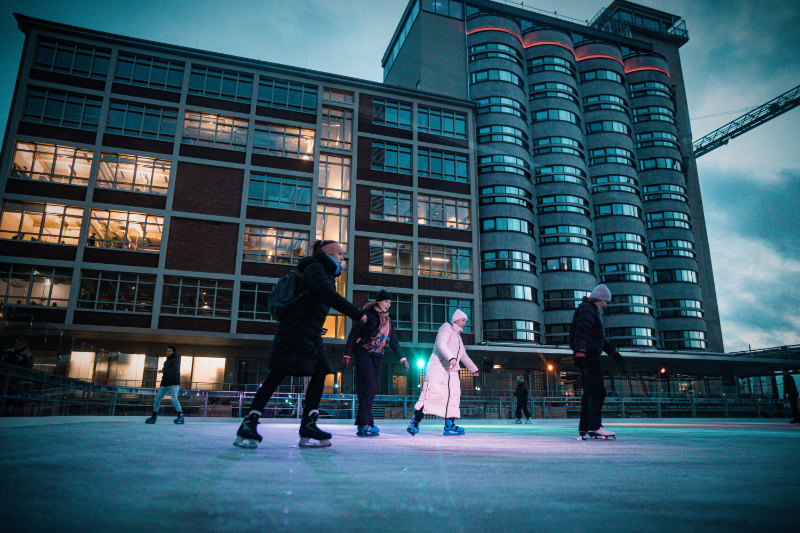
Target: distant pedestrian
{"points": [[522, 401], [297, 349], [587, 341], [367, 341], [170, 383], [441, 392], [790, 393]]}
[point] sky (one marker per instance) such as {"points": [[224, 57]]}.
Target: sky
{"points": [[740, 54]]}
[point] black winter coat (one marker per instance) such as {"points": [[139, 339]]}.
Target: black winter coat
{"points": [[586, 333], [298, 348], [367, 331], [522, 392], [171, 371]]}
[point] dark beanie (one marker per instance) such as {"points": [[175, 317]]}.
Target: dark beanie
{"points": [[383, 295]]}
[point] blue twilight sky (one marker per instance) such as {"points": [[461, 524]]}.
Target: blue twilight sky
{"points": [[740, 54]]}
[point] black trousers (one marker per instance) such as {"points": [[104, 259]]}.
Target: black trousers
{"points": [[368, 375], [273, 381], [522, 406], [594, 392], [795, 411]]}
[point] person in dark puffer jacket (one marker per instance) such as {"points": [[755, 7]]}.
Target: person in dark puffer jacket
{"points": [[587, 340], [298, 350], [170, 382]]}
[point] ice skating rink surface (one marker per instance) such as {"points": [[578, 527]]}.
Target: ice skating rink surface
{"points": [[119, 474]]}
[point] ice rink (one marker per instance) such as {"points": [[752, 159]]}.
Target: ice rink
{"points": [[119, 474]]}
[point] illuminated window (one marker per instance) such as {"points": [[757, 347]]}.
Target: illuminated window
{"points": [[442, 122], [140, 120], [254, 301], [508, 260], [274, 245], [125, 230], [218, 83], [443, 212], [333, 223], [389, 257], [439, 261], [197, 297], [564, 264], [508, 329], [283, 141], [32, 221], [57, 108], [279, 191], [337, 95], [391, 206], [34, 285], [564, 299], [433, 311], [337, 128], [71, 58], [126, 292], [285, 94], [205, 129], [389, 157], [153, 72], [335, 326], [446, 166], [391, 113], [334, 176], [48, 162], [126, 172]]}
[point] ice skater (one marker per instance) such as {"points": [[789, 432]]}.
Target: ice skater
{"points": [[790, 393], [367, 341], [587, 341], [441, 392], [170, 382], [298, 349], [522, 401]]}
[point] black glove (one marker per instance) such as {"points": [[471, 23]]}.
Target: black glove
{"points": [[617, 357]]}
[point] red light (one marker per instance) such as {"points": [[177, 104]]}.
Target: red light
{"points": [[494, 28], [600, 56], [637, 69], [549, 368], [663, 370], [554, 43]]}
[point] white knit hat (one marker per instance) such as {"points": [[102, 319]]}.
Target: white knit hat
{"points": [[601, 292], [458, 314]]}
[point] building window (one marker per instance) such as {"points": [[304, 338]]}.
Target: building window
{"points": [[506, 194], [126, 172], [601, 74], [337, 128], [684, 339], [565, 234], [668, 219], [390, 206], [443, 212], [567, 264], [507, 224], [654, 113], [442, 122], [126, 292], [501, 104], [512, 330], [564, 299], [615, 182], [209, 298], [389, 257], [439, 261], [496, 74], [504, 163], [447, 8], [557, 334], [598, 102], [608, 126], [254, 301], [650, 88], [553, 89], [672, 248], [34, 285], [656, 138], [31, 221], [607, 242], [123, 229], [283, 141], [279, 191], [337, 95], [610, 154], [155, 73], [391, 113], [143, 121], [434, 311], [48, 162], [560, 174], [510, 292], [274, 245], [660, 162], [401, 311], [551, 64], [562, 203], [217, 131], [555, 114], [287, 95], [625, 210], [508, 260], [334, 176], [632, 337], [224, 84], [388, 157], [630, 304], [664, 191], [446, 166], [71, 58], [680, 308], [57, 108], [557, 145], [676, 275], [333, 223], [503, 134], [615, 272]]}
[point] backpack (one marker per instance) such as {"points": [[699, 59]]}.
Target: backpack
{"points": [[284, 295]]}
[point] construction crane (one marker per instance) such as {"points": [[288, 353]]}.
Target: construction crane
{"points": [[719, 137]]}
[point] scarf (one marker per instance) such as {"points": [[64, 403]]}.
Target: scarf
{"points": [[376, 344]]}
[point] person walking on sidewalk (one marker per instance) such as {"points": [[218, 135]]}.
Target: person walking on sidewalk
{"points": [[367, 341], [522, 401], [170, 382], [587, 341], [297, 349], [441, 392], [790, 393]]}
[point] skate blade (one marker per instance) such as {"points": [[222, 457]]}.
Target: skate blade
{"points": [[242, 442], [601, 437], [306, 442], [449, 434]]}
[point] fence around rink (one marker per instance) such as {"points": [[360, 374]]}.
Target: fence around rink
{"points": [[27, 392]]}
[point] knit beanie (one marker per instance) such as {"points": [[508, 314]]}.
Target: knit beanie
{"points": [[383, 295], [458, 314], [601, 292]]}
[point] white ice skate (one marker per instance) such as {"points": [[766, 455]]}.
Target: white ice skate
{"points": [[603, 434]]}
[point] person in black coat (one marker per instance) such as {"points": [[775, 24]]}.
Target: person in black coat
{"points": [[522, 401], [587, 341], [790, 393], [297, 349], [367, 340], [170, 382]]}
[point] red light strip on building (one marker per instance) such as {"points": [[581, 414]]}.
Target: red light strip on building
{"points": [[636, 69], [555, 43], [495, 28], [600, 56]]}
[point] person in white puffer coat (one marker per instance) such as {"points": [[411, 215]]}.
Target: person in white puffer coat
{"points": [[441, 392]]}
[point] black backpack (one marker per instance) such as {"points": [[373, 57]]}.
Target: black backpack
{"points": [[284, 295]]}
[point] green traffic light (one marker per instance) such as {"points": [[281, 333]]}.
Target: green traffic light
{"points": [[420, 363]]}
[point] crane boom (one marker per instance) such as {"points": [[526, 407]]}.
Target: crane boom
{"points": [[719, 137]]}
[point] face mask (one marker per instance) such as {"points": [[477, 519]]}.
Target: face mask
{"points": [[339, 267]]}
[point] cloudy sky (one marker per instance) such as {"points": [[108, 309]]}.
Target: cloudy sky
{"points": [[741, 53]]}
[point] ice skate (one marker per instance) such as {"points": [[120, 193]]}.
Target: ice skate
{"points": [[602, 433], [152, 419], [450, 428], [413, 427], [247, 436], [583, 436], [310, 435], [367, 431], [528, 420], [518, 421], [179, 420]]}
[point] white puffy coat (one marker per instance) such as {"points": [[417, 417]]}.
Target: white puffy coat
{"points": [[441, 392]]}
